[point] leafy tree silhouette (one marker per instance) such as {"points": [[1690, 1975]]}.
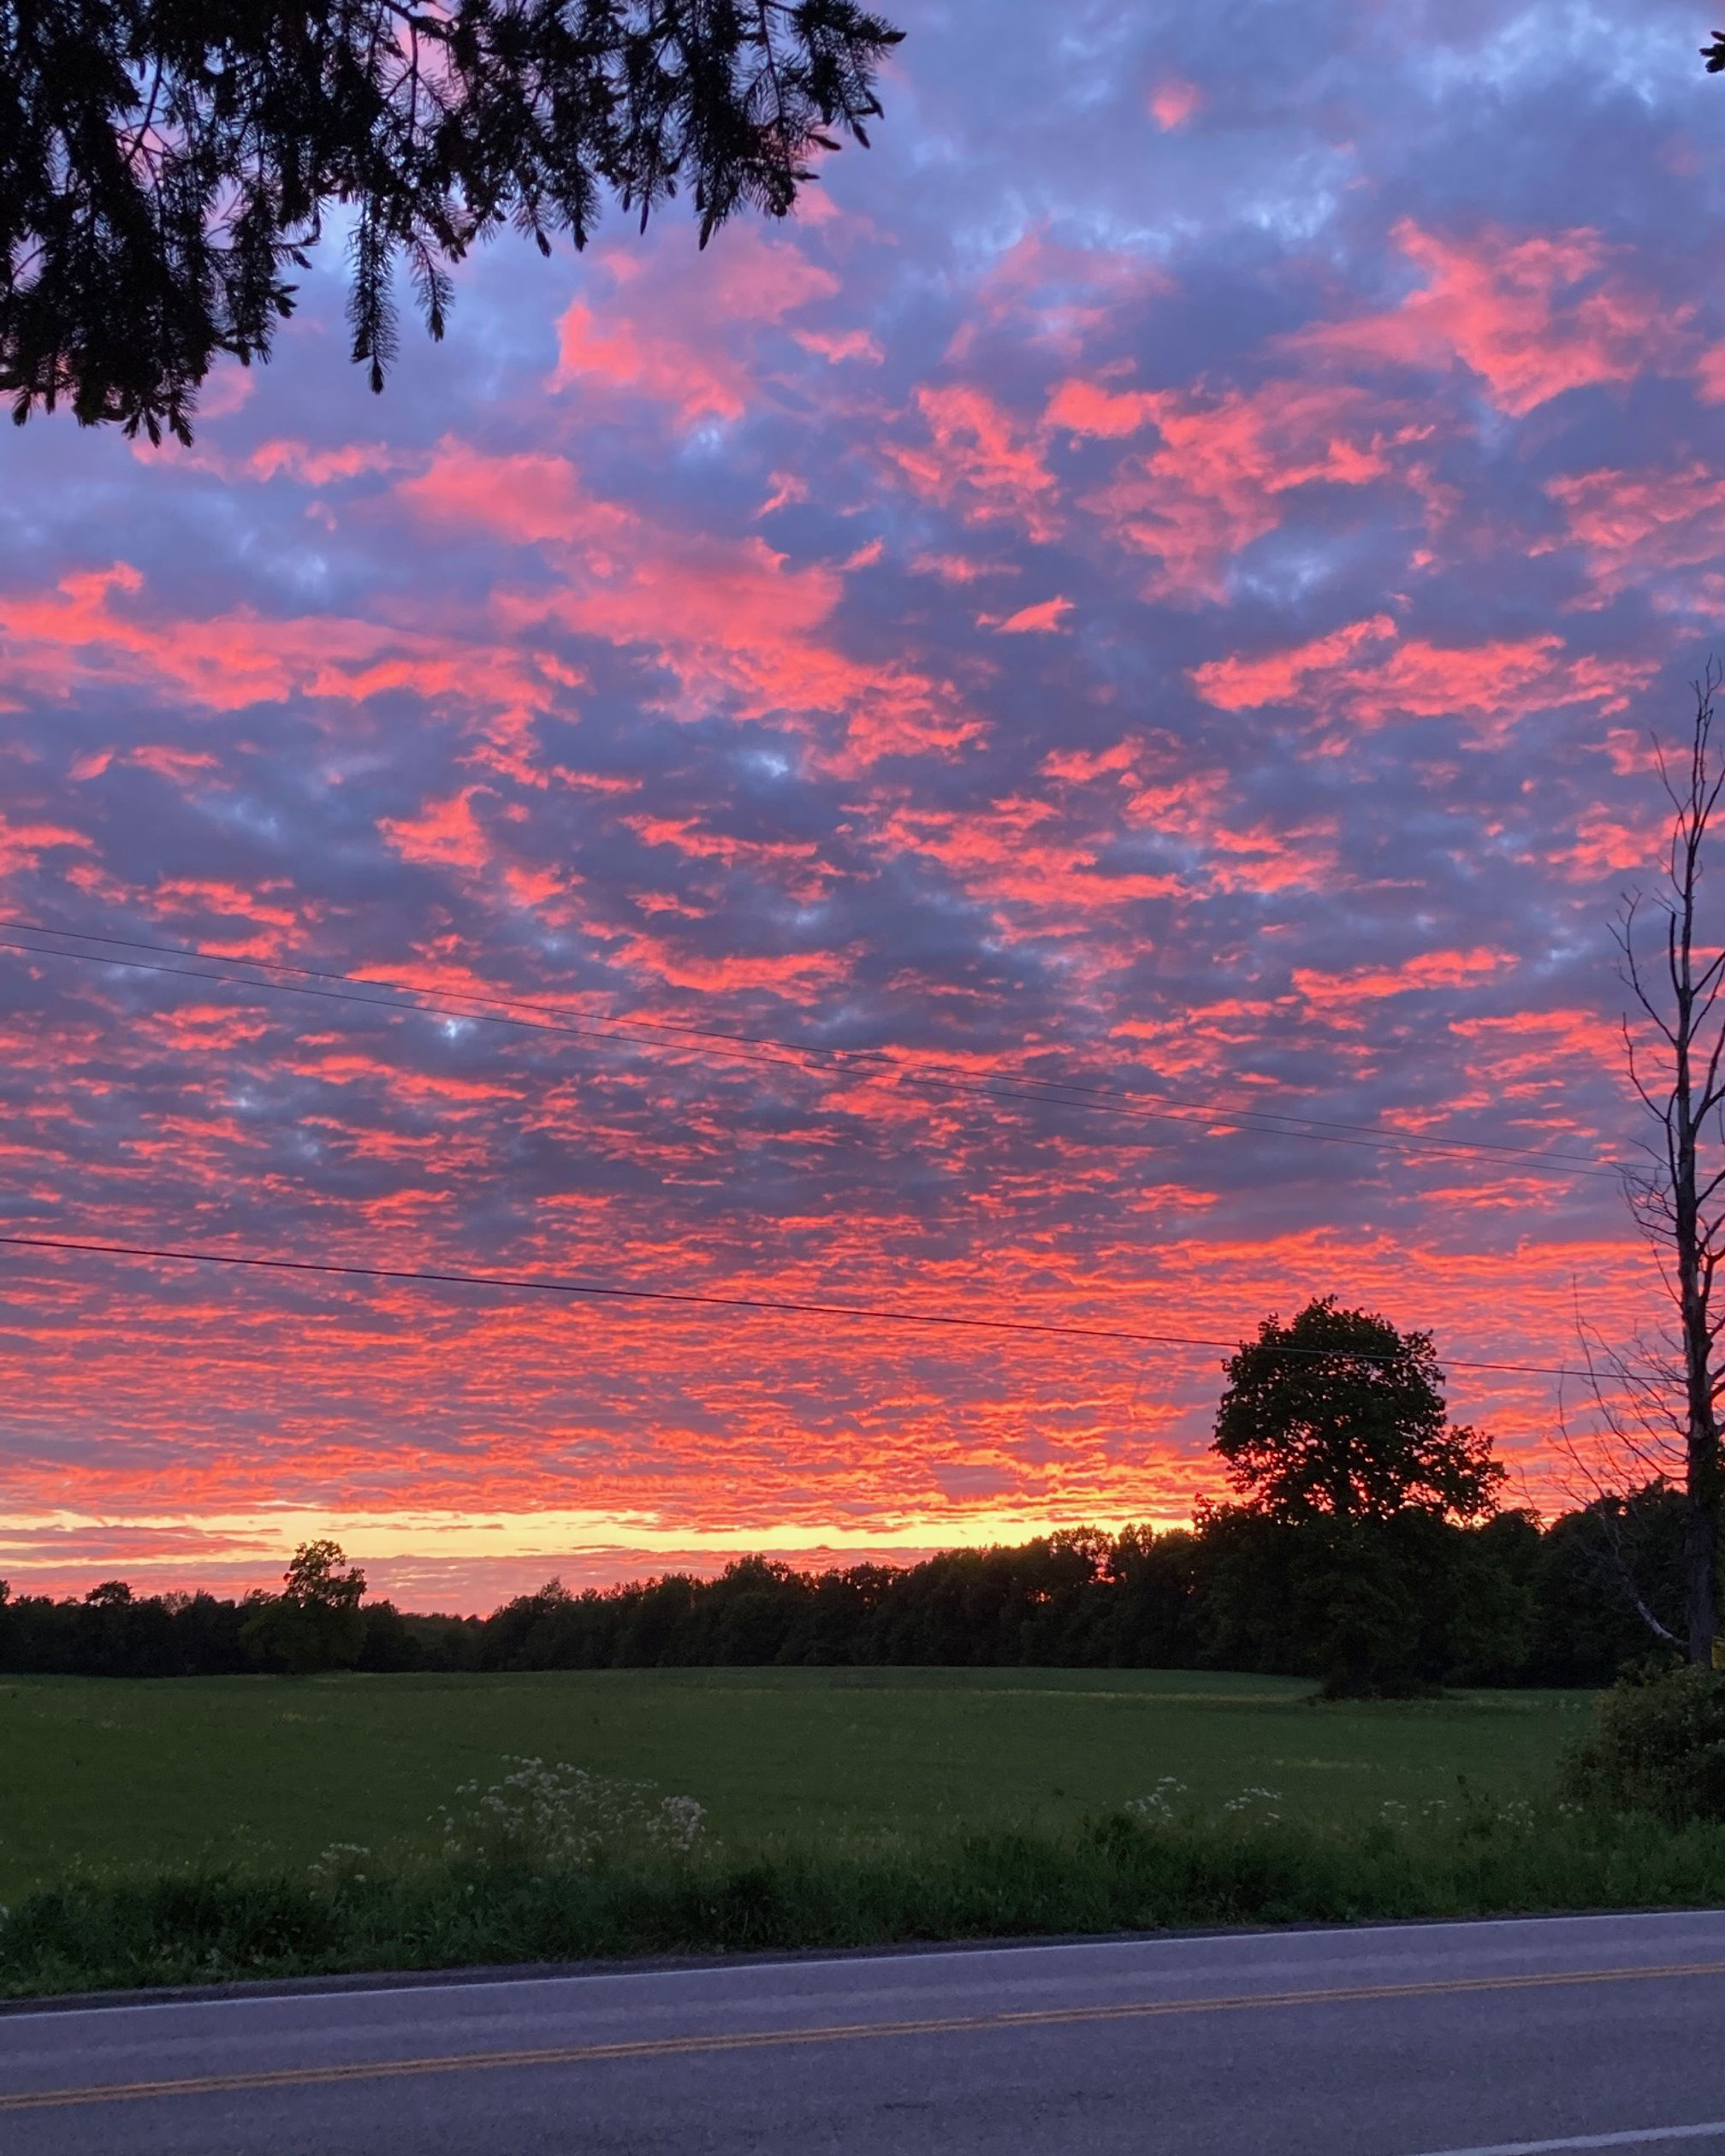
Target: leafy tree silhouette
{"points": [[1337, 1414], [316, 1622]]}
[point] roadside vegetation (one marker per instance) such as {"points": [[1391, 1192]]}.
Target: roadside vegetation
{"points": [[552, 1863]]}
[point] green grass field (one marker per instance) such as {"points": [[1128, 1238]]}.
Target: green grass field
{"points": [[270, 1770]]}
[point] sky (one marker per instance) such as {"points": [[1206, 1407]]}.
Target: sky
{"points": [[1159, 577]]}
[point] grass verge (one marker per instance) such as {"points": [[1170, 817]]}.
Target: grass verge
{"points": [[1117, 1871]]}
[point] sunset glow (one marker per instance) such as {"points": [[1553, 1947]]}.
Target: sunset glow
{"points": [[1158, 579]]}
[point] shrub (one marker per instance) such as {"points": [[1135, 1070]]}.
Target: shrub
{"points": [[1658, 1746]]}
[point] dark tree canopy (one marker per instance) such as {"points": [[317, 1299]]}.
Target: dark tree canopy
{"points": [[314, 1577], [316, 1622], [166, 164], [1338, 1415]]}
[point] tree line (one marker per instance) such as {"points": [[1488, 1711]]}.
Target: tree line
{"points": [[1363, 1543], [1396, 1605]]}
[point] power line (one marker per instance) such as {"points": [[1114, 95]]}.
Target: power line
{"points": [[606, 1291], [582, 1022], [743, 1047]]}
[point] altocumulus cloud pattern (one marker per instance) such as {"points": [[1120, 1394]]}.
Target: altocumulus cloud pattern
{"points": [[1161, 576]]}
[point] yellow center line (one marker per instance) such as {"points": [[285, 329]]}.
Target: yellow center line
{"points": [[836, 2033]]}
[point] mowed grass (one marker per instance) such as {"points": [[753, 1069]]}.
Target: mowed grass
{"points": [[269, 1771]]}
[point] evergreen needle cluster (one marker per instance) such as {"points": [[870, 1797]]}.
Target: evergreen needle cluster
{"points": [[167, 165]]}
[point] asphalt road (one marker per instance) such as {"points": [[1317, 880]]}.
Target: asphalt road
{"points": [[1467, 2040]]}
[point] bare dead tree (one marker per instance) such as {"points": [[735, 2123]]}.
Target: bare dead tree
{"points": [[1631, 1459], [1675, 1051]]}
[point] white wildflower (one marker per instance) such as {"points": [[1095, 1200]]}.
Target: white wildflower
{"points": [[1254, 1801], [338, 1863], [565, 1816], [1160, 1805]]}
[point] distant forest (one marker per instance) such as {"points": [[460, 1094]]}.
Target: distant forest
{"points": [[1393, 1605]]}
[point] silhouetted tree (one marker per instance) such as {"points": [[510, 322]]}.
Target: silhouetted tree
{"points": [[1148, 1621], [316, 1622], [1609, 1586], [1339, 1416], [165, 164], [388, 1644], [1343, 1555], [1493, 1575]]}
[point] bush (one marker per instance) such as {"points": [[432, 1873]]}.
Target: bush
{"points": [[1657, 1746]]}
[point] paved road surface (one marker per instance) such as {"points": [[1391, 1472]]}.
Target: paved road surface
{"points": [[1568, 2034]]}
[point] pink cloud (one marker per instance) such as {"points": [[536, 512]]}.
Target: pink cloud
{"points": [[23, 845], [1346, 675], [1047, 616], [740, 625], [524, 498], [1337, 995], [735, 620], [1496, 681], [1642, 527], [1531, 317], [1092, 408], [445, 833], [622, 356], [1007, 857], [788, 487], [1630, 753], [1048, 293], [212, 899], [1262, 859], [651, 340], [182, 767], [1280, 676], [843, 344], [1611, 843], [1709, 375], [91, 629], [795, 867], [1078, 767], [978, 461], [1224, 466], [684, 590], [960, 569], [799, 976], [1173, 101], [317, 467]]}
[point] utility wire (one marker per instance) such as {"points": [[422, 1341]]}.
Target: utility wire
{"points": [[743, 1048], [605, 1291], [945, 1074]]}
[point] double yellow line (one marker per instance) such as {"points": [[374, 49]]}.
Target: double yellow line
{"points": [[834, 2032]]}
